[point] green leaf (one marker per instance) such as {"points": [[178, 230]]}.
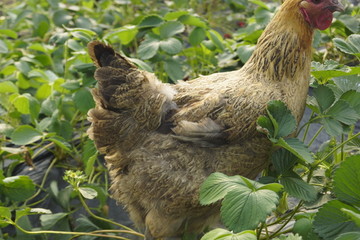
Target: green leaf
{"points": [[8, 87], [345, 84], [169, 29], [5, 216], [171, 46], [283, 160], [259, 3], [298, 188], [12, 150], [3, 47], [27, 104], [342, 112], [330, 69], [87, 192], [102, 193], [41, 25], [330, 221], [90, 164], [61, 17], [74, 45], [25, 134], [83, 100], [174, 70], [223, 234], [352, 97], [216, 38], [350, 46], [8, 70], [43, 92], [196, 36], [263, 15], [244, 52], [141, 64], [266, 126], [192, 20], [243, 209], [347, 180], [85, 225], [174, 15], [209, 45], [60, 142], [148, 48], [283, 117], [22, 104], [351, 22], [126, 34], [324, 96], [150, 21], [83, 36], [217, 185], [353, 215], [50, 220], [296, 147], [81, 30], [64, 129], [17, 188], [71, 84], [9, 33], [6, 129], [349, 236], [332, 126], [34, 107], [30, 211], [303, 226], [276, 187], [88, 150], [48, 106], [23, 67]]}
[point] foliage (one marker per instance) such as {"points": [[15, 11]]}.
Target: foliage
{"points": [[45, 81]]}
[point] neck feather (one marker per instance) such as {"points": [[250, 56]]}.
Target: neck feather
{"points": [[284, 49]]}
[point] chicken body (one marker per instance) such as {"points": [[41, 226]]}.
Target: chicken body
{"points": [[161, 141]]}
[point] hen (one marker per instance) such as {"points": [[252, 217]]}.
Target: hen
{"points": [[161, 141]]}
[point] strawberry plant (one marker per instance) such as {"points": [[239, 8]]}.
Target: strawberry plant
{"points": [[53, 183]]}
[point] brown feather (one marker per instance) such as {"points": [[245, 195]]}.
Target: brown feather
{"points": [[161, 141]]}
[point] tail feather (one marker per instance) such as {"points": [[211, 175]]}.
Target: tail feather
{"points": [[104, 55], [129, 102]]}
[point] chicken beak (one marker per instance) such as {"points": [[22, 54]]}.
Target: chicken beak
{"points": [[335, 5]]}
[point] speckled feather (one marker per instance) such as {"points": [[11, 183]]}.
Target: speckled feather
{"points": [[161, 141]]}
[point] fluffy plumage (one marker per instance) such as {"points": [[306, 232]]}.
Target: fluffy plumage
{"points": [[161, 141]]}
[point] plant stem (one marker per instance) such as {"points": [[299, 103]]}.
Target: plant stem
{"points": [[42, 149], [42, 182], [107, 231], [288, 220], [336, 148], [316, 164], [258, 234], [306, 129], [315, 135], [107, 220], [279, 233], [66, 233], [342, 149]]}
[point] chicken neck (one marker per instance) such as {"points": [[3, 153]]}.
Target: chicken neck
{"points": [[283, 51]]}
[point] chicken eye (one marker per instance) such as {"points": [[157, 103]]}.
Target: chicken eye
{"points": [[316, 1]]}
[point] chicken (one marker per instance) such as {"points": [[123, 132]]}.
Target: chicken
{"points": [[161, 141]]}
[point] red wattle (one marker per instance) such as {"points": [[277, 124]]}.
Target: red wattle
{"points": [[323, 21]]}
